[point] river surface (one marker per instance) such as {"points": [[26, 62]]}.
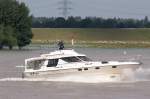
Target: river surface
{"points": [[12, 87]]}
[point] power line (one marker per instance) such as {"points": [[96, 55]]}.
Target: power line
{"points": [[65, 8]]}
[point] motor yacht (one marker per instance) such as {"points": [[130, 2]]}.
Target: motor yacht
{"points": [[67, 62]]}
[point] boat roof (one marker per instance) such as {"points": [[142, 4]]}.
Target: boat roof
{"points": [[57, 54]]}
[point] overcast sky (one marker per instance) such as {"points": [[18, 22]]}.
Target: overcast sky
{"points": [[99, 8]]}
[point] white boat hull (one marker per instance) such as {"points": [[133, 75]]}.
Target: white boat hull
{"points": [[99, 70]]}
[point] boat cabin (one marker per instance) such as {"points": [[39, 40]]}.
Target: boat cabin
{"points": [[55, 59]]}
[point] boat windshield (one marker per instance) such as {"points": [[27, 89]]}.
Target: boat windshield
{"points": [[71, 59], [37, 64], [84, 58]]}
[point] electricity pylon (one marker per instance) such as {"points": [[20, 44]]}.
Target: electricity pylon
{"points": [[65, 8]]}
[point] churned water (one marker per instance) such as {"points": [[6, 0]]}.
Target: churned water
{"points": [[137, 86]]}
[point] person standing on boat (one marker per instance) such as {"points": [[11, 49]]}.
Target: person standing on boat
{"points": [[61, 45]]}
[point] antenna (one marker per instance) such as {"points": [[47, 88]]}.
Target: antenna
{"points": [[65, 7]]}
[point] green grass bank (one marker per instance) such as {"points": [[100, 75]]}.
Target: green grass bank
{"points": [[106, 38]]}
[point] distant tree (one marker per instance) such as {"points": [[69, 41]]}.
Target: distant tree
{"points": [[50, 22], [60, 22], [86, 23], [109, 23], [97, 22], [146, 19], [15, 17], [71, 22], [146, 22]]}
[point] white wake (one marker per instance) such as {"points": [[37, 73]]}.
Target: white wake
{"points": [[128, 75]]}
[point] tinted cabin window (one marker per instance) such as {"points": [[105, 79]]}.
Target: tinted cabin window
{"points": [[84, 58], [104, 62], [52, 62], [71, 59]]}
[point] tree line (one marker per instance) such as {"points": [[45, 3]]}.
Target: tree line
{"points": [[89, 22], [15, 24]]}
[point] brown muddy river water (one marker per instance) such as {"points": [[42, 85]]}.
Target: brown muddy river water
{"points": [[13, 87]]}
